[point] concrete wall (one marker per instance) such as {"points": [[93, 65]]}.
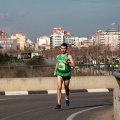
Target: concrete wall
{"points": [[50, 83]]}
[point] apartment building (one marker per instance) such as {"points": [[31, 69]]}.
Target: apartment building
{"points": [[83, 42], [8, 44], [59, 36], [20, 40], [3, 35], [107, 39], [69, 39], [43, 42], [29, 44]]}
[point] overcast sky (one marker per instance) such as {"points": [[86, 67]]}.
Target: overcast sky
{"points": [[37, 18]]}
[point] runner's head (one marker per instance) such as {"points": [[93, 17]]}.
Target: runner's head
{"points": [[63, 48]]}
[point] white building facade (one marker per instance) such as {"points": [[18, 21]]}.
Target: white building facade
{"points": [[43, 41], [107, 39], [59, 36], [83, 42]]}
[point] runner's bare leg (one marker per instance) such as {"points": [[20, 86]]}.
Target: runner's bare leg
{"points": [[66, 85], [59, 93]]}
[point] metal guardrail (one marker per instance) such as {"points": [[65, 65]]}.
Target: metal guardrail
{"points": [[48, 70]]}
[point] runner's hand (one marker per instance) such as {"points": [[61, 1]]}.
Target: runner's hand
{"points": [[55, 74], [65, 62]]}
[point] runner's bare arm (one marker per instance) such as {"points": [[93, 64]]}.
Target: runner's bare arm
{"points": [[71, 61], [56, 67]]}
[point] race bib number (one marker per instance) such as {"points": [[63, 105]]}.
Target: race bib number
{"points": [[61, 66]]}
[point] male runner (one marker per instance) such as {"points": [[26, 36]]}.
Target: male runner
{"points": [[64, 62]]}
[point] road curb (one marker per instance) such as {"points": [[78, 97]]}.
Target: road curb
{"points": [[53, 91], [2, 93]]}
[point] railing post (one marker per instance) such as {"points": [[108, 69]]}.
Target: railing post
{"points": [[117, 96], [31, 71]]}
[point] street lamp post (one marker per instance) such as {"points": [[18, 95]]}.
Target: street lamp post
{"points": [[119, 42], [87, 49], [112, 45]]}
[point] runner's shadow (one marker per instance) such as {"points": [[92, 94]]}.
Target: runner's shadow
{"points": [[71, 108]]}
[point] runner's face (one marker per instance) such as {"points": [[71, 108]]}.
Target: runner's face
{"points": [[63, 49]]}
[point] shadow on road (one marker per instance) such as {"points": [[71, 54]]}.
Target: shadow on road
{"points": [[68, 108]]}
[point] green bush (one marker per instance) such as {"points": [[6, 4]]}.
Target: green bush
{"points": [[36, 60], [4, 58]]}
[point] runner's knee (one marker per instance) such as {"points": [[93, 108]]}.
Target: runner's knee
{"points": [[59, 87]]}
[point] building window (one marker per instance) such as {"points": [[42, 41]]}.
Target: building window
{"points": [[9, 46], [1, 41], [3, 46]]}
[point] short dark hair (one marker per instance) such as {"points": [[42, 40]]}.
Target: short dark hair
{"points": [[64, 44]]}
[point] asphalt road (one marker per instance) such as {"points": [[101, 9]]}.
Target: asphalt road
{"points": [[83, 106]]}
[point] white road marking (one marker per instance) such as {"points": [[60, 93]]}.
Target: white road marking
{"points": [[75, 114], [98, 90], [54, 91], [16, 93]]}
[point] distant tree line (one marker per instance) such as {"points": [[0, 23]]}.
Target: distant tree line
{"points": [[4, 58], [36, 60]]}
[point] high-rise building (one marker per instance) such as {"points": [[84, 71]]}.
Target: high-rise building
{"points": [[107, 39], [20, 40], [59, 36]]}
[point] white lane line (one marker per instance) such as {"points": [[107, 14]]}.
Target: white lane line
{"points": [[75, 114]]}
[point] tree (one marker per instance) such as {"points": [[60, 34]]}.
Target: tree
{"points": [[4, 58], [36, 60]]}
